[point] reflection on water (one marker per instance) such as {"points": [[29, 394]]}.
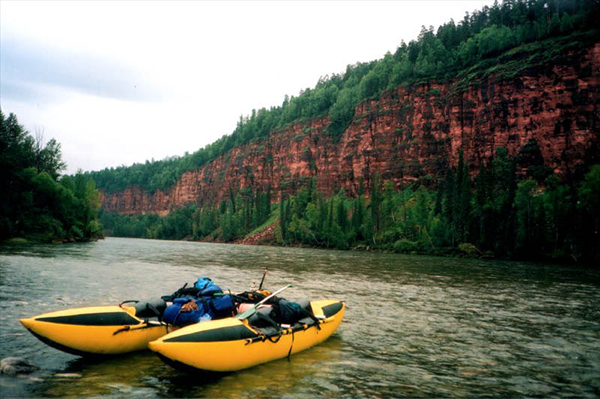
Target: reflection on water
{"points": [[143, 374], [414, 326]]}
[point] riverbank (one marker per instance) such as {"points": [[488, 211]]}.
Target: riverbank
{"points": [[499, 215], [266, 236], [36, 240]]}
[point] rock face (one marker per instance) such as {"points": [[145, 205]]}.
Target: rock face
{"points": [[405, 135]]}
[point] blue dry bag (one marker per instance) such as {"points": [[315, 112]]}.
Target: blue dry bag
{"points": [[203, 283], [206, 287], [173, 314], [221, 306]]}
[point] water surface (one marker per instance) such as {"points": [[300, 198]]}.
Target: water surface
{"points": [[414, 325]]}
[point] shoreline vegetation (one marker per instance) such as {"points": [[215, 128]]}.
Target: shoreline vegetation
{"points": [[497, 215], [37, 204]]}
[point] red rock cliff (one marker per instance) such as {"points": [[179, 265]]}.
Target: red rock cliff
{"points": [[406, 134]]}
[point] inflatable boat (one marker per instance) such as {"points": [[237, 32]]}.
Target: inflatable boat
{"points": [[100, 330], [130, 326], [236, 343]]}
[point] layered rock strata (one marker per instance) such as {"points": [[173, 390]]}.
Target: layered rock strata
{"points": [[408, 133]]}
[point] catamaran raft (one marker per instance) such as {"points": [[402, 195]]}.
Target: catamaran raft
{"points": [[196, 328]]}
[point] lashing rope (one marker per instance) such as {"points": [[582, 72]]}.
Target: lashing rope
{"points": [[291, 346]]}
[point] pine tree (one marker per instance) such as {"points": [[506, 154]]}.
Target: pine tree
{"points": [[358, 217], [342, 214], [283, 218], [375, 205], [448, 205], [463, 196]]}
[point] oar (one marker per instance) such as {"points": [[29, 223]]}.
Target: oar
{"points": [[252, 310], [263, 280]]}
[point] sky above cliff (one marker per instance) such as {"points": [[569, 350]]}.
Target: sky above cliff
{"points": [[118, 83]]}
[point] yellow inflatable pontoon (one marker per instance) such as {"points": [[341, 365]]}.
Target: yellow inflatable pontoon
{"points": [[234, 344], [100, 330]]}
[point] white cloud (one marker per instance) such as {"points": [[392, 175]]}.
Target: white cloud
{"points": [[170, 77]]}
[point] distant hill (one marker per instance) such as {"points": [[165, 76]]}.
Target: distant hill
{"points": [[487, 120]]}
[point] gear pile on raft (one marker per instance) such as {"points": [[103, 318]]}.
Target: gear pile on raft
{"points": [[200, 327]]}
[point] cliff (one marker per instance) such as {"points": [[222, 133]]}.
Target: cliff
{"points": [[407, 134]]}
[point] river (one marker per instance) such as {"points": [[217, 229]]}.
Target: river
{"points": [[415, 326]]}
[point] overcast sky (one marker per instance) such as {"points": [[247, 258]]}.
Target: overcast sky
{"points": [[123, 82]]}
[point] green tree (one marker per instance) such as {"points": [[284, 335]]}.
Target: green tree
{"points": [[589, 205], [35, 204], [375, 204], [527, 204]]}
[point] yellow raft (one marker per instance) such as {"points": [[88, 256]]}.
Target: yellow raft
{"points": [[232, 344], [100, 330]]}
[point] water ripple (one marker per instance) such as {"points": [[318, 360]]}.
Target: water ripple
{"points": [[414, 326]]}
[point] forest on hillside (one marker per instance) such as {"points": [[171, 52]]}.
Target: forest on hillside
{"points": [[498, 214], [504, 39], [491, 212], [36, 203]]}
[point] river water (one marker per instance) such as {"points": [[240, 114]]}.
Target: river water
{"points": [[415, 326]]}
